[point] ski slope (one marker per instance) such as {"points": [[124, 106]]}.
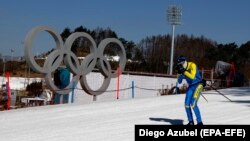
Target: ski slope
{"points": [[115, 120]]}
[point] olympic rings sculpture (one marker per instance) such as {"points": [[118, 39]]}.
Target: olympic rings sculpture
{"points": [[79, 69]]}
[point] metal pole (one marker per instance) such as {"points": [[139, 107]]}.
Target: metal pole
{"points": [[174, 17], [29, 76], [73, 94], [94, 97], [118, 82], [172, 51], [133, 89]]}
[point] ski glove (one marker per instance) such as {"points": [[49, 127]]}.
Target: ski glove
{"points": [[204, 82], [180, 69]]}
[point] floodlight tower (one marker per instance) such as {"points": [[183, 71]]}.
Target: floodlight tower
{"points": [[174, 18]]}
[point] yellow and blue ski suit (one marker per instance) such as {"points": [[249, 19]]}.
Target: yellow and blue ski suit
{"points": [[193, 78]]}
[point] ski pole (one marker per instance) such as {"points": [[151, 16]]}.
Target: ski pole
{"points": [[219, 92], [204, 97], [176, 90]]}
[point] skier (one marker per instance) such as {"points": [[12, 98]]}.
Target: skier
{"points": [[189, 71]]}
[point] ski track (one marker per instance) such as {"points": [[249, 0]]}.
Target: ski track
{"points": [[115, 120]]}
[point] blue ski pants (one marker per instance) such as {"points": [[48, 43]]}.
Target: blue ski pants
{"points": [[192, 97]]}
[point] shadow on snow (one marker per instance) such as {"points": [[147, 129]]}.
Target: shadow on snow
{"points": [[171, 121]]}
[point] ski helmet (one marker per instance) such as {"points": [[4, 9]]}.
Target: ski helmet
{"points": [[181, 59]]}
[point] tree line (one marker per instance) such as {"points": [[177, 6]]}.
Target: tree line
{"points": [[152, 54]]}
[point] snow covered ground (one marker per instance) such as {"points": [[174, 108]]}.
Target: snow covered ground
{"points": [[115, 120]]}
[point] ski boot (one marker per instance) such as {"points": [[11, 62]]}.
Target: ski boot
{"points": [[200, 123], [190, 123]]}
